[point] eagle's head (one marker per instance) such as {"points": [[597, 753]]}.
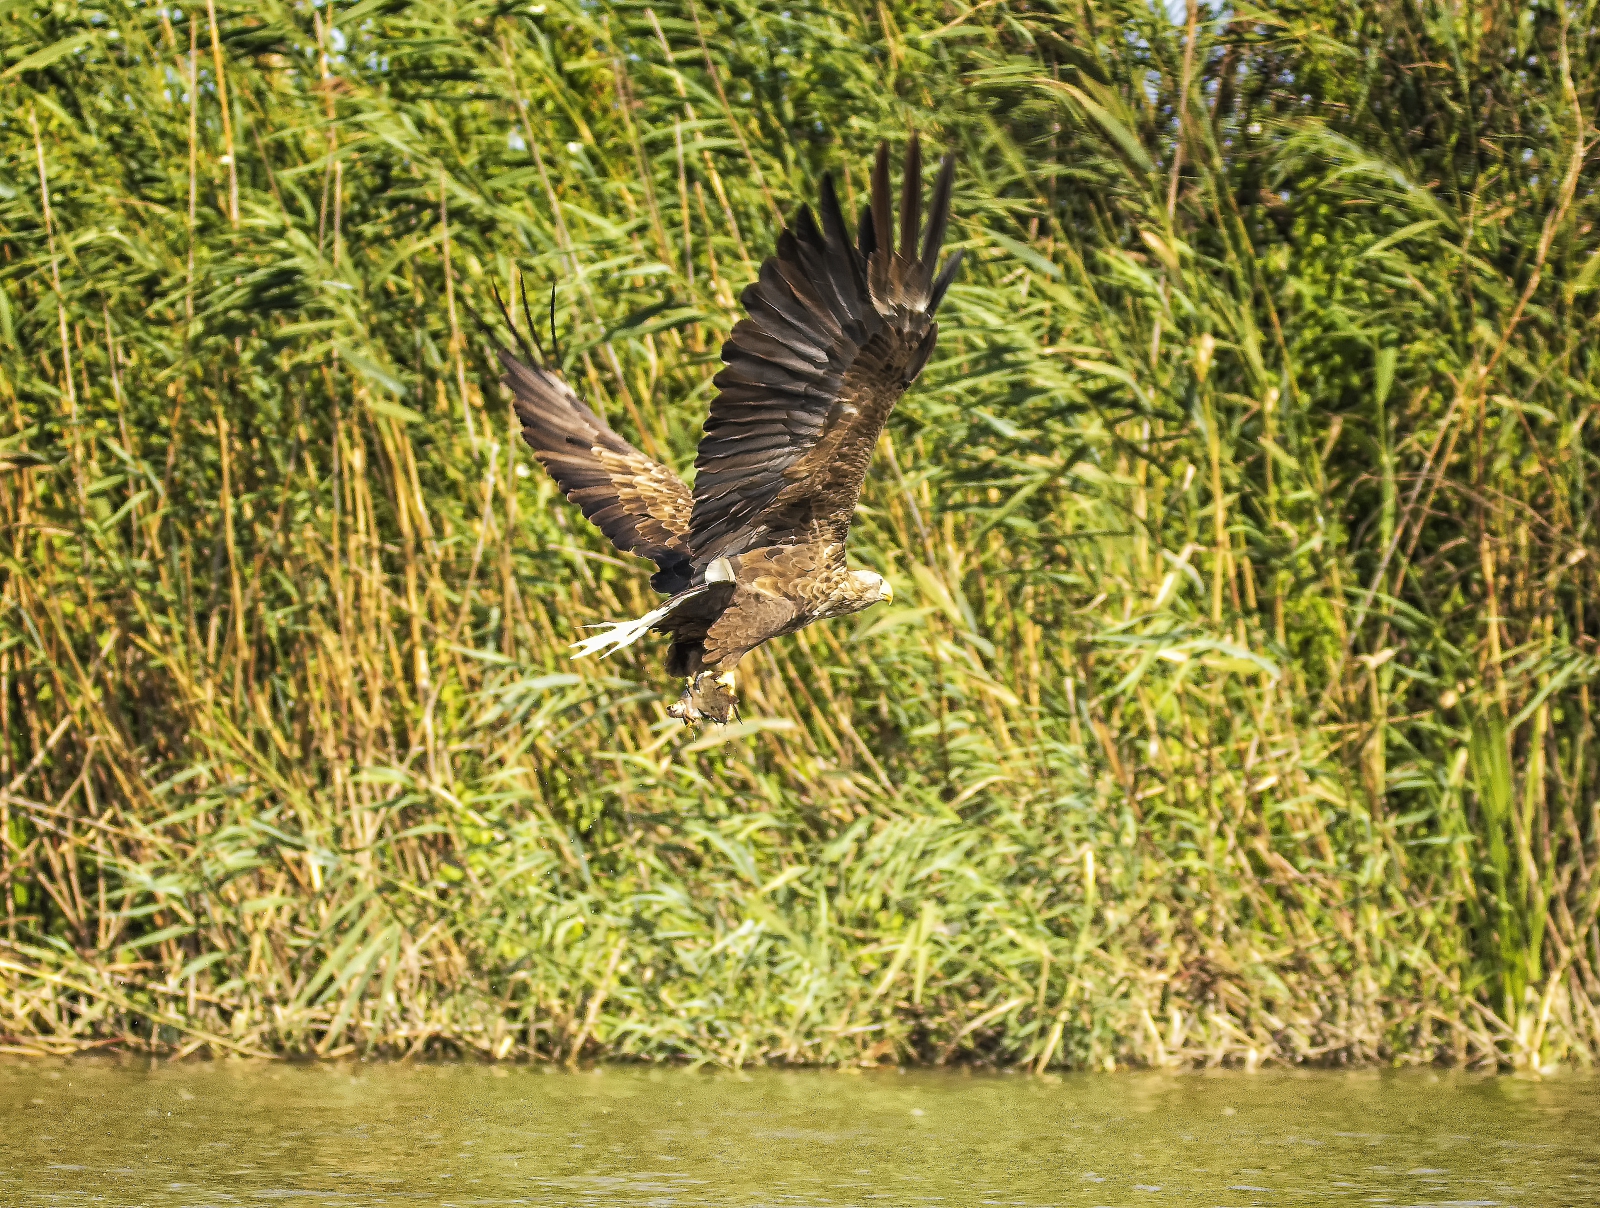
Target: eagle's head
{"points": [[873, 588]]}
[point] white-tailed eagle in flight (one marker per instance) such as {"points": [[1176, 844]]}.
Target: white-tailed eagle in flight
{"points": [[833, 333]]}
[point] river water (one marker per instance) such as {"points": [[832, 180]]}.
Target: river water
{"points": [[126, 1133]]}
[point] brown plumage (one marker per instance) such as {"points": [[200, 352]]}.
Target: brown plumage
{"points": [[832, 336], [637, 502]]}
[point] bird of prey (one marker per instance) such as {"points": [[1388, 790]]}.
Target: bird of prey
{"points": [[833, 333]]}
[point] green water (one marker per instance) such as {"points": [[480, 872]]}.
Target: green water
{"points": [[110, 1134]]}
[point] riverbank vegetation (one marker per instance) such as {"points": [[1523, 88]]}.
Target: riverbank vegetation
{"points": [[1235, 703]]}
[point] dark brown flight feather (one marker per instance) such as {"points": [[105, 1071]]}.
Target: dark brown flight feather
{"points": [[634, 500], [833, 335]]}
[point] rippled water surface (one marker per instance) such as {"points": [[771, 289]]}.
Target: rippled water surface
{"points": [[123, 1133]]}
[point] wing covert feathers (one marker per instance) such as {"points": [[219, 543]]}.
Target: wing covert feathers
{"points": [[642, 506], [832, 335]]}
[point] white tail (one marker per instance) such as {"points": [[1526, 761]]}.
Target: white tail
{"points": [[618, 634]]}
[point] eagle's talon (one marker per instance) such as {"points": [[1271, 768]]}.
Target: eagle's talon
{"points": [[707, 697]]}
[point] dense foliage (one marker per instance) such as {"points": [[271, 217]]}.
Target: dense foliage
{"points": [[1235, 704]]}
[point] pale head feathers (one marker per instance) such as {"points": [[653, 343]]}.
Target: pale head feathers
{"points": [[874, 587]]}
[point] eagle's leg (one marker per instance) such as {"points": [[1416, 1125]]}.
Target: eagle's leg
{"points": [[708, 696]]}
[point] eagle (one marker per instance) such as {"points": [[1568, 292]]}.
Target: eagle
{"points": [[834, 331]]}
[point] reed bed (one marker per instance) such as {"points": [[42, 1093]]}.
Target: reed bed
{"points": [[1235, 706]]}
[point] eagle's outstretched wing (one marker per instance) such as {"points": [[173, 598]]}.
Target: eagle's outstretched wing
{"points": [[637, 502], [833, 336]]}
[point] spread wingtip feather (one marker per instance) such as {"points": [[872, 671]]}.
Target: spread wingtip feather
{"points": [[911, 198], [938, 215]]}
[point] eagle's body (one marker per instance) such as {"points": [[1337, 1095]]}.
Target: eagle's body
{"points": [[834, 334]]}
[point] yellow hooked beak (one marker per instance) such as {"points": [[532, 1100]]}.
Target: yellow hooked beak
{"points": [[888, 592]]}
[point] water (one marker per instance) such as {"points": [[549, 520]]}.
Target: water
{"points": [[112, 1134]]}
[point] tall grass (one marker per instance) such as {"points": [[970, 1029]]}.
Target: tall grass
{"points": [[1238, 704]]}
